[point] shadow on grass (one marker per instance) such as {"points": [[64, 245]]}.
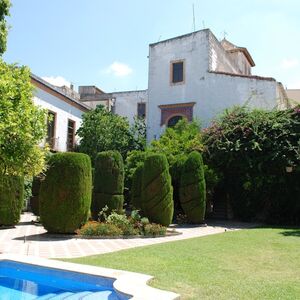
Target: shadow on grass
{"points": [[291, 232]]}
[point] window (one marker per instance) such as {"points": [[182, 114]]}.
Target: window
{"points": [[173, 121], [177, 72], [51, 121], [141, 110], [70, 135]]}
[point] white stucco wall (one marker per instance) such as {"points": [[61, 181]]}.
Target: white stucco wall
{"points": [[219, 60], [194, 50], [224, 91], [126, 103], [212, 92], [63, 110]]}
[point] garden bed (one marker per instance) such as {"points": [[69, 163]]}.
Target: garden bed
{"points": [[168, 233]]}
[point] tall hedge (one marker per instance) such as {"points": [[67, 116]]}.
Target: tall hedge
{"points": [[11, 199], [35, 191], [156, 190], [108, 182], [65, 194], [193, 188], [136, 187]]}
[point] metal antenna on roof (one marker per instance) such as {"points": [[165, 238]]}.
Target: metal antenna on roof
{"points": [[224, 33], [194, 23], [203, 24]]}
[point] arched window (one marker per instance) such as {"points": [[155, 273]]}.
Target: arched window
{"points": [[173, 121]]}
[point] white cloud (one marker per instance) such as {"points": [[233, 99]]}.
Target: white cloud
{"points": [[118, 69], [57, 80], [289, 63]]}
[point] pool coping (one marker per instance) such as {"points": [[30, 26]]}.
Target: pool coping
{"points": [[128, 283]]}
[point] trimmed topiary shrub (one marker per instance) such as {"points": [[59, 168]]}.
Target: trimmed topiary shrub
{"points": [[11, 199], [34, 199], [136, 188], [193, 188], [156, 190], [108, 182], [175, 172], [65, 194]]}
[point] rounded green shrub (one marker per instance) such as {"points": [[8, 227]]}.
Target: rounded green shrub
{"points": [[156, 190], [65, 194], [193, 188], [11, 199], [108, 182]]}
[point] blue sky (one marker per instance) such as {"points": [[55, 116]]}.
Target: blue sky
{"points": [[105, 43]]}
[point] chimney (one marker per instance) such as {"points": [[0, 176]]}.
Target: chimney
{"points": [[72, 86]]}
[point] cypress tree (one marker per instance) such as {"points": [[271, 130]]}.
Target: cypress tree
{"points": [[193, 188], [108, 182], [156, 190], [65, 194], [11, 199]]}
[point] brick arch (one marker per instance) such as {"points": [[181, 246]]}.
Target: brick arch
{"points": [[180, 109], [174, 115]]}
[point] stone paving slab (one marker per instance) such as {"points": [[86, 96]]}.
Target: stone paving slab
{"points": [[28, 238]]}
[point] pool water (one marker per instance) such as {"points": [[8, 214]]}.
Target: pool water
{"points": [[20, 281]]}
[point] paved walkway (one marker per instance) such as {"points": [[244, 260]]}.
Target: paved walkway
{"points": [[28, 238]]}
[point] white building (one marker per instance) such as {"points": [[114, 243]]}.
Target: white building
{"points": [[64, 113], [126, 104], [294, 96], [196, 76], [192, 76]]}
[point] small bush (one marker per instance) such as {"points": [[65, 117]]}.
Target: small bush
{"points": [[99, 229], [156, 200], [65, 194], [11, 199], [117, 224], [192, 188], [154, 230], [108, 182], [122, 222]]}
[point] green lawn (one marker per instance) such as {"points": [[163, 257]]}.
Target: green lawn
{"points": [[251, 264]]}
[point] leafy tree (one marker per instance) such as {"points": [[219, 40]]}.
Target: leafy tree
{"points": [[133, 160], [183, 138], [4, 11], [102, 130], [22, 124], [251, 149], [138, 134]]}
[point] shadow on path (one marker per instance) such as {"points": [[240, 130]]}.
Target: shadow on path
{"points": [[45, 237]]}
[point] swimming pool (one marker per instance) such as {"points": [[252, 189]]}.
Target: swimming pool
{"points": [[20, 281], [31, 277]]}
